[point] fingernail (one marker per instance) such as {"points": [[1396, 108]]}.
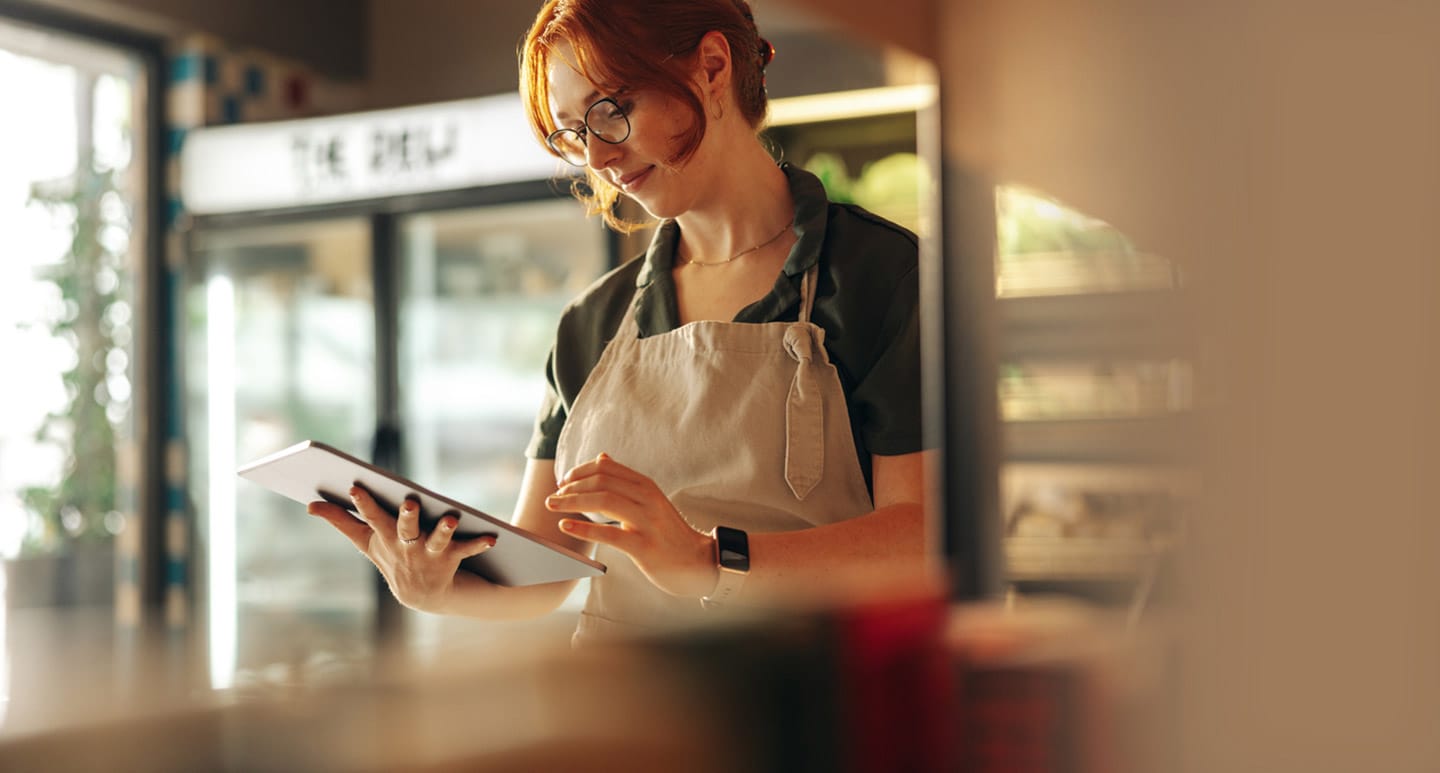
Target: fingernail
{"points": [[567, 525], [447, 524], [491, 541], [354, 492]]}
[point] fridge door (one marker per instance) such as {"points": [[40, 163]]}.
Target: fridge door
{"points": [[279, 330], [482, 290]]}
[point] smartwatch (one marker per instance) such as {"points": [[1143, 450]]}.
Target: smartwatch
{"points": [[732, 558]]}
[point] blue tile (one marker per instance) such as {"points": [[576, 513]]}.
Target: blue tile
{"points": [[175, 572], [174, 140], [175, 497], [254, 81], [230, 109], [175, 413], [184, 67], [212, 71], [174, 208]]}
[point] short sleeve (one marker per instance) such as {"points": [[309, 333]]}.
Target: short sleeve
{"points": [[550, 419], [888, 395]]}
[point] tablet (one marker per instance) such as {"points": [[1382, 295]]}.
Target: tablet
{"points": [[311, 471]]}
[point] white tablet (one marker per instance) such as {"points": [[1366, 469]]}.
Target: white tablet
{"points": [[311, 471]]}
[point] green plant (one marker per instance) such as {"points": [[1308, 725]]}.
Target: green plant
{"points": [[91, 280]]}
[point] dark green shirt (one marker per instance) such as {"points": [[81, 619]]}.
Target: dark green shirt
{"points": [[866, 300]]}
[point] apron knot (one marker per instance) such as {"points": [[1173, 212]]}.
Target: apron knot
{"points": [[804, 411], [802, 339]]}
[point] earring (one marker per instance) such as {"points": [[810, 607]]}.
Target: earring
{"points": [[719, 110]]}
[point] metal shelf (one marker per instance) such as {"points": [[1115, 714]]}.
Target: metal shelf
{"points": [[1115, 326], [1154, 439], [1061, 559], [1151, 323]]}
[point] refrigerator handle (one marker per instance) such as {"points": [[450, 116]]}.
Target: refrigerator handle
{"points": [[385, 453], [386, 447]]}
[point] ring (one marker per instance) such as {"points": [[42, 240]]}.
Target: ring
{"points": [[416, 538]]}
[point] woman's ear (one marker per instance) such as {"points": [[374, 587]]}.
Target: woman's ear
{"points": [[714, 59]]}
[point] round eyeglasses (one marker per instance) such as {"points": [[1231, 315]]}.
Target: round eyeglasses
{"points": [[605, 120]]}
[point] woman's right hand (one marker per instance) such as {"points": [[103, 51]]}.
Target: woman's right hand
{"points": [[420, 569]]}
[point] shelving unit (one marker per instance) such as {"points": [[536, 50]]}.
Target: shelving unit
{"points": [[1097, 369]]}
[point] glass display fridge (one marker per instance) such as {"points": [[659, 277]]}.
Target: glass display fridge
{"points": [[410, 330], [1095, 391], [1096, 398]]}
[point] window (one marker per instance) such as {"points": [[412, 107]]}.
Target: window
{"points": [[72, 198]]}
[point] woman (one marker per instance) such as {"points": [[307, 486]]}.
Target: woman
{"points": [[737, 412]]}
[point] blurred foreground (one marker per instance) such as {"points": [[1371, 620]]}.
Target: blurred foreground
{"points": [[910, 685]]}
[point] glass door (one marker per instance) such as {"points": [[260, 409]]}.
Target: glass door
{"points": [[481, 294], [280, 343]]}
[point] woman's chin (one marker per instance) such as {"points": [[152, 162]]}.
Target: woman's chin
{"points": [[656, 208]]}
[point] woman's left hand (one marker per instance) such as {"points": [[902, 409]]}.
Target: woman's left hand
{"points": [[672, 554]]}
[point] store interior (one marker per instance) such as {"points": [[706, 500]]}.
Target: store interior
{"points": [[1177, 303]]}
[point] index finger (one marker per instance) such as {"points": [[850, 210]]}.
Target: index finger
{"points": [[354, 529], [603, 463], [380, 519]]}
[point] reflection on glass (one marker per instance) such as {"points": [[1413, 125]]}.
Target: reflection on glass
{"points": [[483, 292], [1057, 390], [1045, 248], [280, 331], [220, 346]]}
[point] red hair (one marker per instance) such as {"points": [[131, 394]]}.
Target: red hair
{"points": [[641, 45]]}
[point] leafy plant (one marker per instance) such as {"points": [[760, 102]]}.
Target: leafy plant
{"points": [[91, 282]]}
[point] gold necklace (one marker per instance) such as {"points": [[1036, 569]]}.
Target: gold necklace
{"points": [[742, 253]]}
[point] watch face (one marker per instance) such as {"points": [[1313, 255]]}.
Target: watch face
{"points": [[733, 548]]}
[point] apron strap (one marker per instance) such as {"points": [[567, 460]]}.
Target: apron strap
{"points": [[805, 404], [807, 292]]}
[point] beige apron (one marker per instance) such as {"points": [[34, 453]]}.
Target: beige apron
{"points": [[740, 424]]}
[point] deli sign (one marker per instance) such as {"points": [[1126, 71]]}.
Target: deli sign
{"points": [[314, 161]]}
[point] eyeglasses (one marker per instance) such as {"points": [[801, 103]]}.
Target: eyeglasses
{"points": [[605, 120]]}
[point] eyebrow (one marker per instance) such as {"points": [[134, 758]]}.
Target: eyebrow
{"points": [[590, 99]]}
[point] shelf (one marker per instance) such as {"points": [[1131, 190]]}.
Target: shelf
{"points": [[1155, 439], [1123, 324], [1106, 332], [1075, 559]]}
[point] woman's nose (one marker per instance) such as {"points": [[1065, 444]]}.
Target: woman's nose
{"points": [[599, 153]]}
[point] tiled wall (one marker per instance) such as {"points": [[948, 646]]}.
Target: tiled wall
{"points": [[207, 83]]}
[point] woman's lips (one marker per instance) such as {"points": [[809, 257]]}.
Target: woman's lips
{"points": [[632, 181]]}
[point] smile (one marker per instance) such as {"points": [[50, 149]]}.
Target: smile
{"points": [[633, 180]]}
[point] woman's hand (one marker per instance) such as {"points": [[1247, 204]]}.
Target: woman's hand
{"points": [[673, 555], [420, 569]]}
